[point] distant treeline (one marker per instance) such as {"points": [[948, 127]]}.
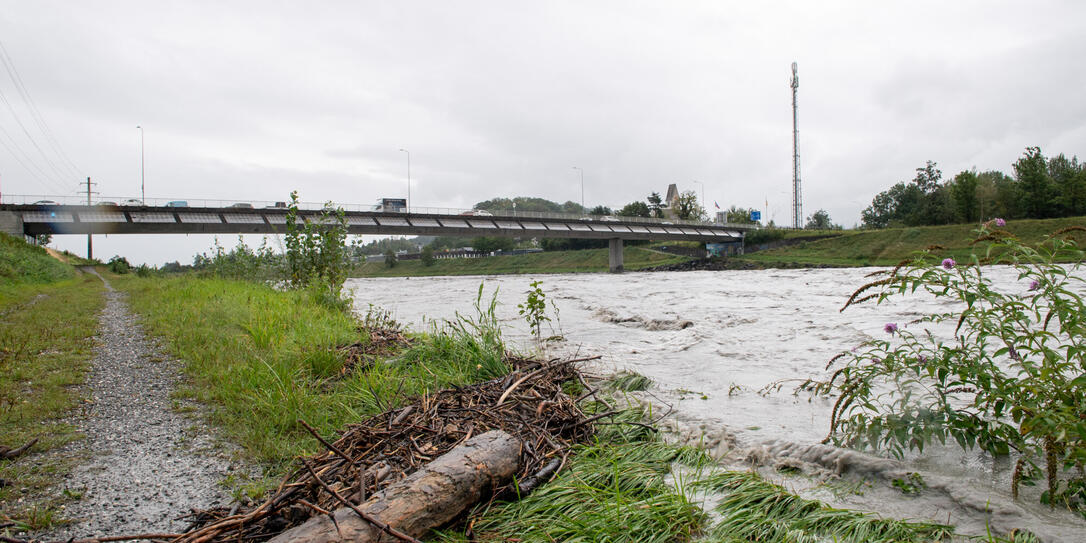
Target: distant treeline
{"points": [[1041, 188]]}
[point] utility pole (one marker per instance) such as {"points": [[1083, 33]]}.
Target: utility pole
{"points": [[143, 184], [90, 247], [797, 193]]}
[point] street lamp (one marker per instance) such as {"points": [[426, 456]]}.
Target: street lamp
{"points": [[408, 206], [582, 187], [143, 184]]}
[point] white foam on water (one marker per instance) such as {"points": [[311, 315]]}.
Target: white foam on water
{"points": [[711, 340]]}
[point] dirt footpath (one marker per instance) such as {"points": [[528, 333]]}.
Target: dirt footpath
{"points": [[146, 463]]}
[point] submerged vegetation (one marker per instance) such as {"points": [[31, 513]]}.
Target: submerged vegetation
{"points": [[1011, 380]]}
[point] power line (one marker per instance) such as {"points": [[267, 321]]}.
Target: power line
{"points": [[13, 72], [39, 175], [49, 162]]}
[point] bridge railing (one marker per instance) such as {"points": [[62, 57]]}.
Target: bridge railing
{"points": [[313, 206]]}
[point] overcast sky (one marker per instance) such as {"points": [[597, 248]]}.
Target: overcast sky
{"points": [[250, 100]]}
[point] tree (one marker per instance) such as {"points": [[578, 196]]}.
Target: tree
{"points": [[427, 256], [600, 210], [655, 204], [963, 192], [1069, 180], [998, 196], [390, 258], [1035, 183], [820, 220], [573, 208], [738, 215], [316, 254], [635, 209], [491, 244], [928, 178], [688, 207]]}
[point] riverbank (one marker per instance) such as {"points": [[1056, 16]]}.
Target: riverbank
{"points": [[48, 317], [795, 249], [889, 246], [262, 377]]}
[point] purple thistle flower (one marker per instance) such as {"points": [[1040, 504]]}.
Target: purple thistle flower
{"points": [[1034, 285], [1014, 354], [890, 328], [923, 359], [1000, 222], [948, 263]]}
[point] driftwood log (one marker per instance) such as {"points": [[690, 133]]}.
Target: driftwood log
{"points": [[426, 499]]}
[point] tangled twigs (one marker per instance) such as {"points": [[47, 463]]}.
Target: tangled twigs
{"points": [[343, 501], [528, 404]]}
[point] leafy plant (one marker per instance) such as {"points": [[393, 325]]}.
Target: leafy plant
{"points": [[316, 253], [119, 265], [534, 308], [1012, 378]]}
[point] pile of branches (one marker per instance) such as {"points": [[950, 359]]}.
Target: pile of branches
{"points": [[528, 403]]}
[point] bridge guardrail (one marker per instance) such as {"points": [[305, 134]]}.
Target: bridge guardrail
{"points": [[316, 206]]}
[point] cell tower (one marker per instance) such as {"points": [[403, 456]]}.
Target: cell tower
{"points": [[797, 194]]}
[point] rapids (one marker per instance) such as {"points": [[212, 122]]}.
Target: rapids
{"points": [[710, 341]]}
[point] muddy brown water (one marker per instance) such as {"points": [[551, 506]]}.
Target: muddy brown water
{"points": [[711, 340]]}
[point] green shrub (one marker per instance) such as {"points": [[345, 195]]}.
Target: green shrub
{"points": [[1011, 380]]}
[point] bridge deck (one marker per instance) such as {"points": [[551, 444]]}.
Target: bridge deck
{"points": [[67, 219]]}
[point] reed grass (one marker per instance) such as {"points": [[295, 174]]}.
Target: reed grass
{"points": [[263, 359], [754, 509]]}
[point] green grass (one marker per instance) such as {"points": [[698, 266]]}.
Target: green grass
{"points": [[889, 246], [754, 509], [45, 344], [22, 264], [262, 359], [588, 260], [615, 489]]}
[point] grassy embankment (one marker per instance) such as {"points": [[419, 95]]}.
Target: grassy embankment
{"points": [[48, 315], [262, 359], [588, 260], [889, 246]]}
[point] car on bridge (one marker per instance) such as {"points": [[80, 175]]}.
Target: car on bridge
{"points": [[46, 203], [177, 203], [133, 202], [242, 205]]}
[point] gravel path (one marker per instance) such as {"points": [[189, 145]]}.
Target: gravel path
{"points": [[148, 464]]}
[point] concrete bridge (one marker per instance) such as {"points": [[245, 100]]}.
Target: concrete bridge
{"points": [[37, 219]]}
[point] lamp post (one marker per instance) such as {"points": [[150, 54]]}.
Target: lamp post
{"points": [[582, 187], [408, 179], [143, 184]]}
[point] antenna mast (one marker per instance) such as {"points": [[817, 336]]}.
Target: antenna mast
{"points": [[797, 194]]}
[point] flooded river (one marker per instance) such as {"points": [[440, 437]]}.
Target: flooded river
{"points": [[711, 341]]}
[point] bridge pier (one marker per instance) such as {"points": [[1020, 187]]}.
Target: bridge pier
{"points": [[11, 223], [615, 255]]}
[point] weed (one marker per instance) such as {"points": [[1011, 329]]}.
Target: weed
{"points": [[628, 381], [534, 309], [910, 485]]}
